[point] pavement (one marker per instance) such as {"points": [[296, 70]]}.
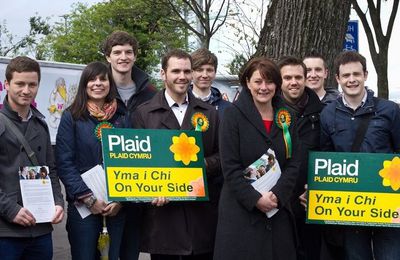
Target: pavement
{"points": [[61, 248]]}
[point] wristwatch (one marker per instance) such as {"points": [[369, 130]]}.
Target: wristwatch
{"points": [[90, 201]]}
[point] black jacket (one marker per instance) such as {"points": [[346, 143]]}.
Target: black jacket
{"points": [[243, 231], [144, 91], [12, 156], [308, 127]]}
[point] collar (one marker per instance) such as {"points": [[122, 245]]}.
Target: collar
{"points": [[30, 114], [205, 99], [33, 112], [364, 99], [172, 102]]}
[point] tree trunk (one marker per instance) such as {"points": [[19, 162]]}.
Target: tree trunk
{"points": [[295, 27], [381, 67], [374, 32]]}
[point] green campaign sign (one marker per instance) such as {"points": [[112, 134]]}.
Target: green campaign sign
{"points": [[354, 189], [141, 164]]}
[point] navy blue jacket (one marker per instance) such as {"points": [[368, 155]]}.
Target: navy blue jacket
{"points": [[339, 125], [216, 100], [78, 150]]}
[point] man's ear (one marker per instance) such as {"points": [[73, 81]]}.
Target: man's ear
{"points": [[6, 85], [162, 73]]}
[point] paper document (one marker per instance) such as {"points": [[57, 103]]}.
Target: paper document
{"points": [[95, 179], [37, 197], [264, 174]]}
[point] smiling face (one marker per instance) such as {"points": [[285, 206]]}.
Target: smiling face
{"points": [[316, 73], [293, 82], [22, 90], [122, 58], [98, 88], [203, 76], [262, 90], [352, 79], [177, 77]]}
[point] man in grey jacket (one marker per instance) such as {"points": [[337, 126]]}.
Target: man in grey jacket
{"points": [[20, 236]]}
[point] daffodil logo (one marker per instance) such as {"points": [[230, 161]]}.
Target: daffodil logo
{"points": [[391, 173], [184, 148]]}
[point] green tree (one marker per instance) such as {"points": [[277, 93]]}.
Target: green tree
{"points": [[79, 38], [377, 38], [27, 45]]}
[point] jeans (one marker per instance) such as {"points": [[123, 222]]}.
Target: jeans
{"points": [[369, 243], [83, 234], [31, 248]]}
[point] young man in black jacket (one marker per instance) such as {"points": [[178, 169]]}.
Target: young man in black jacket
{"points": [[134, 88]]}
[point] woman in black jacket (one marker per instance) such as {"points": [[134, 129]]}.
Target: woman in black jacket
{"points": [[256, 122]]}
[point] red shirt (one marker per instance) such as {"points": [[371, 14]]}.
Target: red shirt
{"points": [[267, 125]]}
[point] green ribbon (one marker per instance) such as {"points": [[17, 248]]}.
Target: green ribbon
{"points": [[287, 139]]}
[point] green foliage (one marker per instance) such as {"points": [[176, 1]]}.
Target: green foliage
{"points": [[27, 45], [236, 64], [80, 37]]}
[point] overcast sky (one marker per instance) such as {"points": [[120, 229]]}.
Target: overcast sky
{"points": [[17, 13]]}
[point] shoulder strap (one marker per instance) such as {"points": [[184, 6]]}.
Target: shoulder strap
{"points": [[14, 129], [362, 129]]}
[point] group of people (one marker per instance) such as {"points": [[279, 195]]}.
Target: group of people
{"points": [[283, 107]]}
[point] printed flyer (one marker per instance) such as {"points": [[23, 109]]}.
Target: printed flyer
{"points": [[354, 189], [141, 164]]}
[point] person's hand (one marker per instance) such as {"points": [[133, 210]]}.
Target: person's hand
{"points": [[98, 207], [303, 197], [267, 202], [24, 218], [58, 216], [112, 209], [160, 201]]}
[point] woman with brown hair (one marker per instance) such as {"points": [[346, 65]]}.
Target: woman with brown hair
{"points": [[257, 122], [78, 150]]}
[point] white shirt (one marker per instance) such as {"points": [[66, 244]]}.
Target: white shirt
{"points": [[178, 109], [364, 99], [205, 99]]}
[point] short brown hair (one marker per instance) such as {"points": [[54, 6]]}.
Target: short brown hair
{"points": [[119, 38], [347, 57], [313, 54], [292, 61], [267, 68], [177, 53], [202, 57], [22, 64]]}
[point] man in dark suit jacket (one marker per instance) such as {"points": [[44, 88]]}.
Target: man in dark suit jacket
{"points": [[191, 224]]}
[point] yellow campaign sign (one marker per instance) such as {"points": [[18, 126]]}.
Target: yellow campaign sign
{"points": [[147, 182], [354, 207]]}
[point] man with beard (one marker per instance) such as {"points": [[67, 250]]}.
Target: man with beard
{"points": [[181, 229], [305, 106]]}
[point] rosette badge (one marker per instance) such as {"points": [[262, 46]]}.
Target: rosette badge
{"points": [[101, 125], [200, 122], [283, 120]]}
